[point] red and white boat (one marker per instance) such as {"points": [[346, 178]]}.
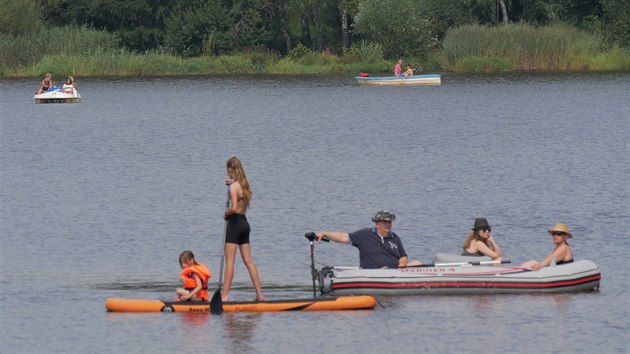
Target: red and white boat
{"points": [[460, 278]]}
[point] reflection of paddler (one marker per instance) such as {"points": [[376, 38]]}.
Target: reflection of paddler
{"points": [[240, 330], [195, 278]]}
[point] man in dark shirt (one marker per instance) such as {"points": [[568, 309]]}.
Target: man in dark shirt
{"points": [[378, 246]]}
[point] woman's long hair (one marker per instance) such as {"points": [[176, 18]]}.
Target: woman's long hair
{"points": [[474, 235], [239, 175]]}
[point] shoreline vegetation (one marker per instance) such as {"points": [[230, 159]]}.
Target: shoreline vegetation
{"points": [[81, 51]]}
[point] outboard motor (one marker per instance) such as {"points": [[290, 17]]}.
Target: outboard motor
{"points": [[325, 280], [319, 276]]}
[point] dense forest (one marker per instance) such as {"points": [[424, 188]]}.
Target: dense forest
{"points": [[411, 28]]}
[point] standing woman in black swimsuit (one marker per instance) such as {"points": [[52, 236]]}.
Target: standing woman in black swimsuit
{"points": [[237, 231]]}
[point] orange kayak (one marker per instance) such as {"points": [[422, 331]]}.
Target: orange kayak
{"points": [[337, 303]]}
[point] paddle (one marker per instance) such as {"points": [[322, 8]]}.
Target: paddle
{"points": [[216, 304], [471, 263], [460, 263]]}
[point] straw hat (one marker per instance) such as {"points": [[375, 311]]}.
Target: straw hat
{"points": [[561, 228]]}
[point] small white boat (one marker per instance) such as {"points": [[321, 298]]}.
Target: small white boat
{"points": [[55, 95], [481, 277], [425, 79]]}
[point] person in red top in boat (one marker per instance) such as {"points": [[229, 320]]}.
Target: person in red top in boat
{"points": [[195, 278], [47, 84], [397, 69]]}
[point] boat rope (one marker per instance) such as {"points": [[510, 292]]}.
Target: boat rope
{"points": [[322, 264]]}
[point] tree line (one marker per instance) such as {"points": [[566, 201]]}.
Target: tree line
{"points": [[190, 28]]}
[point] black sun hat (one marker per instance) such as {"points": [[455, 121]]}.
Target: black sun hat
{"points": [[481, 223]]}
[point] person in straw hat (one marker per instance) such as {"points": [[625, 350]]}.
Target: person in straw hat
{"points": [[562, 252]]}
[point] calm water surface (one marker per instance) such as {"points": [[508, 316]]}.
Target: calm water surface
{"points": [[99, 198]]}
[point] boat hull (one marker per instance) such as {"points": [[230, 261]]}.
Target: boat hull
{"points": [[416, 80], [313, 304], [57, 97], [451, 280]]}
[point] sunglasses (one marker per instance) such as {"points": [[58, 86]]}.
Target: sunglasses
{"points": [[484, 229], [558, 234]]}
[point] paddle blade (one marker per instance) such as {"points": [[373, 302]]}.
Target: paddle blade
{"points": [[216, 303]]}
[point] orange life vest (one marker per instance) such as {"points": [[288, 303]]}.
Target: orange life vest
{"points": [[189, 279]]}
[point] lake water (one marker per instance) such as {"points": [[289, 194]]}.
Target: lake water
{"points": [[99, 198]]}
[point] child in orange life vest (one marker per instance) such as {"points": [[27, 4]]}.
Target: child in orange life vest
{"points": [[195, 278]]}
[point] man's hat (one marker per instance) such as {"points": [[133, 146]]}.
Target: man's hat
{"points": [[383, 216]]}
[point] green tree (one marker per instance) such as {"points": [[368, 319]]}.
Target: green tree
{"points": [[320, 23], [445, 14], [20, 16], [250, 23], [139, 23], [192, 30], [347, 10], [534, 12], [278, 14], [576, 12], [616, 19], [401, 28]]}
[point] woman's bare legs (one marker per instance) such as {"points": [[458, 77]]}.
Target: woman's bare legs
{"points": [[246, 254], [230, 255]]}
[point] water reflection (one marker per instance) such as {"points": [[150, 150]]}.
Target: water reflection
{"points": [[195, 319], [562, 301], [240, 328], [483, 303], [194, 328]]}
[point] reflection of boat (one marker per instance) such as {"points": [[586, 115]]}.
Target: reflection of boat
{"points": [[460, 278], [313, 304], [55, 95], [425, 79]]}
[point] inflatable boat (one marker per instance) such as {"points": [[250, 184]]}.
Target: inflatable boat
{"points": [[55, 95], [314, 304], [478, 277]]}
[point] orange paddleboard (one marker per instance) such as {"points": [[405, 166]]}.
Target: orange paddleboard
{"points": [[313, 304]]}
